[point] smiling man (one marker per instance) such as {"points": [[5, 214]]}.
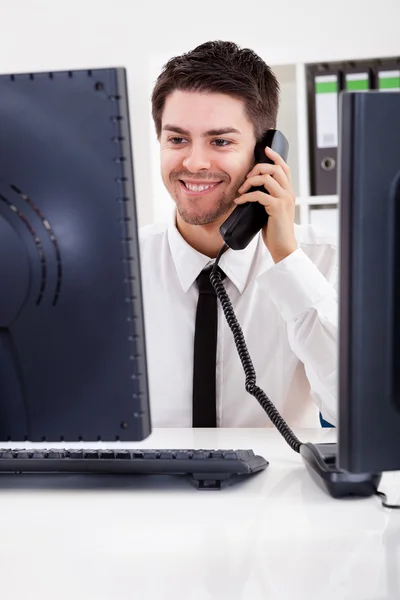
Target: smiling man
{"points": [[210, 107]]}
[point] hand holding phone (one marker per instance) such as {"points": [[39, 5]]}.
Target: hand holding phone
{"points": [[247, 219]]}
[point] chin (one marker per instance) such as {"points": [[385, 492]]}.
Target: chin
{"points": [[193, 217], [196, 219], [193, 214]]}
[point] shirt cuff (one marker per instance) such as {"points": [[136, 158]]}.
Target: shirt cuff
{"points": [[295, 285]]}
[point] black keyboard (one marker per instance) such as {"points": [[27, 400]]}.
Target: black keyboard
{"points": [[208, 469]]}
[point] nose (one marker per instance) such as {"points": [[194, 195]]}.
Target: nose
{"points": [[197, 158]]}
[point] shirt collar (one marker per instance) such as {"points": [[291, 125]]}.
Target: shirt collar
{"points": [[189, 262]]}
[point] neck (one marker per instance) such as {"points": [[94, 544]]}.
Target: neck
{"points": [[206, 239]]}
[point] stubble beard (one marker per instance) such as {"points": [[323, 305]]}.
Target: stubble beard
{"points": [[223, 207]]}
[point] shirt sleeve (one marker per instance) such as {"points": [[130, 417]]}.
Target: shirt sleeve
{"points": [[306, 297]]}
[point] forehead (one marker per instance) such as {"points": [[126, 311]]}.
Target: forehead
{"points": [[201, 111]]}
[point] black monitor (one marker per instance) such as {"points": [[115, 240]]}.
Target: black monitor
{"points": [[369, 323], [72, 346]]}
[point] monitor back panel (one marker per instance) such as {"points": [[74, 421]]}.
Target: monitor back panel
{"points": [[72, 348]]}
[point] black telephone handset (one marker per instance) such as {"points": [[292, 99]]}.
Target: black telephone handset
{"points": [[247, 219]]}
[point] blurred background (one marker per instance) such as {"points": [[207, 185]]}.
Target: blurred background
{"points": [[301, 41]]}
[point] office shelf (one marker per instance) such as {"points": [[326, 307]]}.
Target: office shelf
{"points": [[293, 122]]}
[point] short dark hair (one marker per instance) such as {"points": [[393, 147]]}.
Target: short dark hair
{"points": [[221, 67]]}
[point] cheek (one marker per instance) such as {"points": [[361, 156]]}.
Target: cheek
{"points": [[237, 170], [169, 163], [166, 168]]}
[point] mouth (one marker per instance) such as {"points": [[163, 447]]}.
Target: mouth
{"points": [[198, 189]]}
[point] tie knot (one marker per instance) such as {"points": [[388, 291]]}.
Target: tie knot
{"points": [[203, 280]]}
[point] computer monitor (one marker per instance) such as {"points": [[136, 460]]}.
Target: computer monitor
{"points": [[369, 324], [72, 346]]}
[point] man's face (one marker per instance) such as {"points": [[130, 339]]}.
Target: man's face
{"points": [[207, 148]]}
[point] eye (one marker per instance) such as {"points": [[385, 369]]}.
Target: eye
{"points": [[221, 143], [177, 140]]}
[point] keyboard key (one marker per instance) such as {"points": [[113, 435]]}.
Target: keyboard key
{"points": [[183, 455], [37, 454], [8, 454], [230, 455], [217, 454], [107, 454], [75, 454], [53, 454], [91, 454], [22, 454], [150, 455], [200, 455], [125, 454], [168, 455]]}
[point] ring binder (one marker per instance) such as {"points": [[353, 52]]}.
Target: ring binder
{"points": [[324, 84]]}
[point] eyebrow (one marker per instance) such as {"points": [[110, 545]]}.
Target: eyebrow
{"points": [[209, 133]]}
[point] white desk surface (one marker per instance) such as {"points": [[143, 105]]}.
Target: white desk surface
{"points": [[274, 536]]}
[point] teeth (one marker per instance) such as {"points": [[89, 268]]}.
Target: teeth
{"points": [[194, 187]]}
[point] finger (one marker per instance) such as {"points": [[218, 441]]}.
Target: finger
{"points": [[266, 200], [278, 160], [275, 170], [256, 180], [270, 184]]}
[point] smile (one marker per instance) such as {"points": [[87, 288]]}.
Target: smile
{"points": [[199, 188]]}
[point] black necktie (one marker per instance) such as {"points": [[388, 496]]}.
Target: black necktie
{"points": [[205, 353]]}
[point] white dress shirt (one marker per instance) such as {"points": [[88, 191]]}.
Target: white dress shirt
{"points": [[288, 313]]}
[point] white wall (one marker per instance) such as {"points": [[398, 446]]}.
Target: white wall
{"points": [[68, 34]]}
